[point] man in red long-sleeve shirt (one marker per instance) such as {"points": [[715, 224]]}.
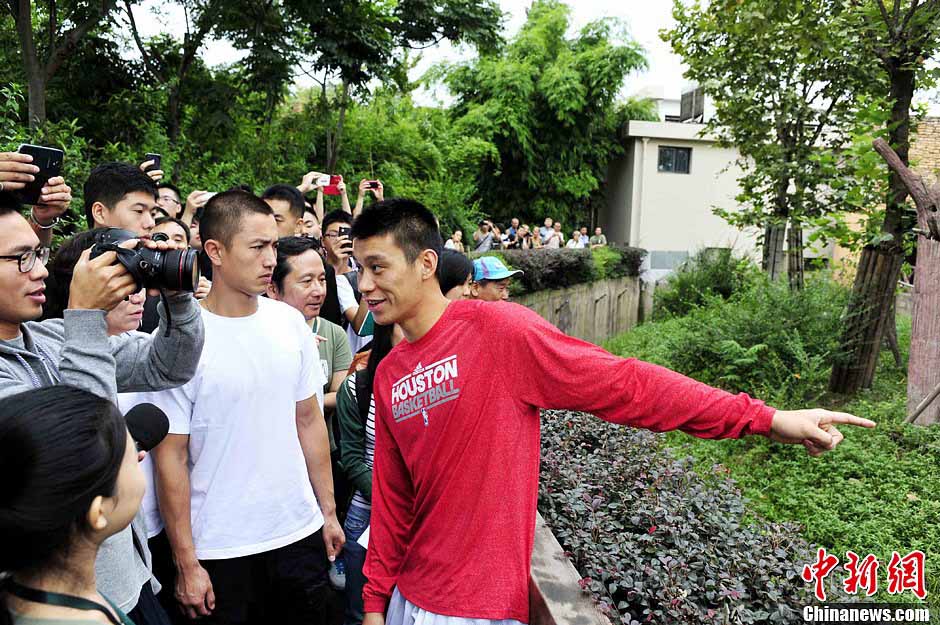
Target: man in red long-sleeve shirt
{"points": [[455, 482]]}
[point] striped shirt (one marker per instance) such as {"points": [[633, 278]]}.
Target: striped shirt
{"points": [[358, 498]]}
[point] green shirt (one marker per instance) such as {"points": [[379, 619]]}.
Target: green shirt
{"points": [[598, 240], [335, 355]]}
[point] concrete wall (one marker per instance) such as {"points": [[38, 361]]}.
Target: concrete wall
{"points": [[594, 311]]}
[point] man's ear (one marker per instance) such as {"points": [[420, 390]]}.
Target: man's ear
{"points": [[272, 292], [214, 250], [428, 260], [99, 212], [298, 226], [475, 289]]}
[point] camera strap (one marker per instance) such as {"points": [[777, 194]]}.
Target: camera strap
{"points": [[58, 599], [166, 309]]}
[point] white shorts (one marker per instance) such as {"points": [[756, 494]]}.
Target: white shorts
{"points": [[403, 612]]}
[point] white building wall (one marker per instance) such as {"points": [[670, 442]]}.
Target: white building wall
{"points": [[672, 212]]}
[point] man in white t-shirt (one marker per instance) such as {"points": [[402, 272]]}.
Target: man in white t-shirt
{"points": [[243, 479]]}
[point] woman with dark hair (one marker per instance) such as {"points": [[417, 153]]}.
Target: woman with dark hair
{"points": [[455, 272], [71, 480]]}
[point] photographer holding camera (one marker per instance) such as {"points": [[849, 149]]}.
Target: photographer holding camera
{"points": [[77, 350]]}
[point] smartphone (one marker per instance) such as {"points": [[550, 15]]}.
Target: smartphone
{"points": [[156, 158], [345, 231], [373, 184], [49, 162], [330, 189]]}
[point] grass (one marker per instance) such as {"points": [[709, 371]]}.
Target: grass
{"points": [[878, 492]]}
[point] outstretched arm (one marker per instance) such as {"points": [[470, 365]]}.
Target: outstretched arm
{"points": [[567, 373]]}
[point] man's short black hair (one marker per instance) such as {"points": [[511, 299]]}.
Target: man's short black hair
{"points": [[287, 248], [289, 194], [172, 187], [338, 216], [413, 226], [9, 203], [224, 212], [178, 222], [110, 182]]}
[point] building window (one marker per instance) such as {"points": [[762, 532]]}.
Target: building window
{"points": [[674, 160]]}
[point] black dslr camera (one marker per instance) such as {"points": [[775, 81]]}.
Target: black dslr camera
{"points": [[173, 270]]}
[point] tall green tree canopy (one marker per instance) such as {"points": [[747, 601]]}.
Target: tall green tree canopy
{"points": [[783, 77], [547, 104]]}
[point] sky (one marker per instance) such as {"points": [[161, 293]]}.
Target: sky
{"points": [[644, 19]]}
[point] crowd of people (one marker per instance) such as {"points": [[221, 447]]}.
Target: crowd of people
{"points": [[489, 236], [344, 402]]}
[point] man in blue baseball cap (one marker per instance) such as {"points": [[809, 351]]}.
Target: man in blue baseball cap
{"points": [[491, 279]]}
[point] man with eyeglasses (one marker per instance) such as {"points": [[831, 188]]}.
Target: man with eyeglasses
{"points": [[77, 350], [169, 199]]}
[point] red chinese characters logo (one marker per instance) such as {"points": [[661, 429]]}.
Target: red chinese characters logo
{"points": [[907, 573], [903, 573], [818, 571], [862, 573]]}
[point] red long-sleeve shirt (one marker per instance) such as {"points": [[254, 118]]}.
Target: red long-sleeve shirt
{"points": [[455, 481]]}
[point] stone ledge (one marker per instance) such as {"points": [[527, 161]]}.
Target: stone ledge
{"points": [[555, 595]]}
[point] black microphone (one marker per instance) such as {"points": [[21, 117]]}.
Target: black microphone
{"points": [[148, 425]]}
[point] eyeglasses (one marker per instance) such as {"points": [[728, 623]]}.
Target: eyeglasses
{"points": [[27, 260], [167, 198]]}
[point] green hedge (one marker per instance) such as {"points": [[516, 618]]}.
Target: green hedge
{"points": [[556, 269]]}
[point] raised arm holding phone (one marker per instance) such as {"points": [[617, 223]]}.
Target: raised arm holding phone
{"points": [[40, 184]]}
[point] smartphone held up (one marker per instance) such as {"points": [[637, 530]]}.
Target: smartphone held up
{"points": [[49, 161]]}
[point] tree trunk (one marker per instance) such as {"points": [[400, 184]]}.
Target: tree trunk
{"points": [[899, 136], [879, 268], [35, 72], [795, 256], [334, 146], [865, 318], [923, 374], [173, 114], [891, 333], [774, 261]]}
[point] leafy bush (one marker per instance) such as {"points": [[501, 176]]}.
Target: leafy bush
{"points": [[711, 272], [764, 340], [655, 542], [617, 261], [557, 269]]}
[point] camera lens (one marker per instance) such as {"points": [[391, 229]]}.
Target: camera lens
{"points": [[180, 270]]}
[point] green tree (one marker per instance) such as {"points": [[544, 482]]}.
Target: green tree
{"points": [[547, 104], [897, 38], [783, 80], [353, 42]]}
